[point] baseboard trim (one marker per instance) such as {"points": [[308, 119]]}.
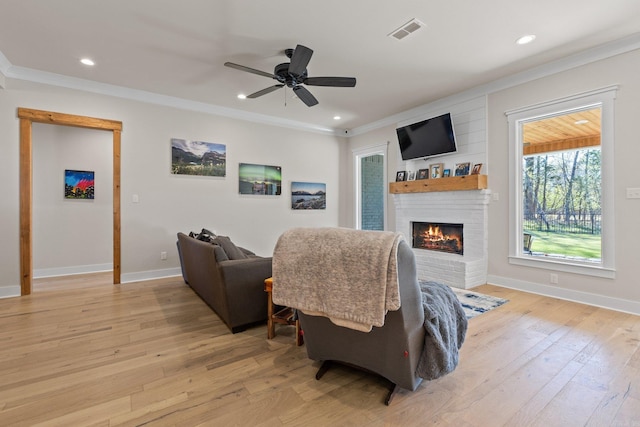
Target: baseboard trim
{"points": [[72, 270], [14, 291], [9, 291], [617, 304], [150, 275]]}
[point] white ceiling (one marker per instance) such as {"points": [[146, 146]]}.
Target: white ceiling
{"points": [[178, 48]]}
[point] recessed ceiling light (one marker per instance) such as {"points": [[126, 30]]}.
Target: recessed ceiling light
{"points": [[581, 122], [242, 96], [526, 39], [87, 61], [336, 117]]}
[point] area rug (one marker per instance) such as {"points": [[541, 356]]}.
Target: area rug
{"points": [[475, 303]]}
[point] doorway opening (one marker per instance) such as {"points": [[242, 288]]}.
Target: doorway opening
{"points": [[27, 118], [370, 188]]}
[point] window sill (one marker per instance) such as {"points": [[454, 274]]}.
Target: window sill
{"points": [[564, 266]]}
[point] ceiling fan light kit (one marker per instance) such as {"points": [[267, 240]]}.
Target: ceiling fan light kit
{"points": [[294, 74]]}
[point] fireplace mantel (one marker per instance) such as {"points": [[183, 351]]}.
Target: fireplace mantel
{"points": [[452, 183]]}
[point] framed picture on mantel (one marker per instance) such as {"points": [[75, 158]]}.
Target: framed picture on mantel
{"points": [[436, 170], [423, 174]]}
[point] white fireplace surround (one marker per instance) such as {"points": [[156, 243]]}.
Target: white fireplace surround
{"points": [[462, 207]]}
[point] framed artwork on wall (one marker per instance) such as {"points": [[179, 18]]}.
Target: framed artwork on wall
{"points": [[259, 179], [79, 184], [308, 195], [198, 158]]}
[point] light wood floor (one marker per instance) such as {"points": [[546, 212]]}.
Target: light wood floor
{"points": [[80, 351]]}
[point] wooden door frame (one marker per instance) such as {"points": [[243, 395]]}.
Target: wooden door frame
{"points": [[27, 118]]}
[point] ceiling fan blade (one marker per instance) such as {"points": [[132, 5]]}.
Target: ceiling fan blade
{"points": [[330, 81], [299, 60], [305, 96], [264, 91], [249, 70]]}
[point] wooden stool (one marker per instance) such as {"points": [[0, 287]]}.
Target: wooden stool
{"points": [[286, 316]]}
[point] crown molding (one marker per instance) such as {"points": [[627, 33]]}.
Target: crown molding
{"points": [[617, 47], [588, 56], [59, 80]]}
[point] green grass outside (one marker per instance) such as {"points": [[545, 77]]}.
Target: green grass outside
{"points": [[567, 244]]}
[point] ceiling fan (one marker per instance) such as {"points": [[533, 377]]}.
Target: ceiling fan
{"points": [[294, 74]]}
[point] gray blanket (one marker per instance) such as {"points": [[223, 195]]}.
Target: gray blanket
{"points": [[446, 326]]}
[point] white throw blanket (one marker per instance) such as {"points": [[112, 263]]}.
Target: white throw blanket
{"points": [[349, 276]]}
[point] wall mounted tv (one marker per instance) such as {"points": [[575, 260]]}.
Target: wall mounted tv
{"points": [[431, 137]]}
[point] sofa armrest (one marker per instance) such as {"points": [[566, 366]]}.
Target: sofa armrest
{"points": [[244, 285], [237, 272]]}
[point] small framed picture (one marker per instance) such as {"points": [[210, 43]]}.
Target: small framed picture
{"points": [[423, 174], [446, 173], [411, 176], [476, 169], [401, 176], [462, 169], [436, 170]]}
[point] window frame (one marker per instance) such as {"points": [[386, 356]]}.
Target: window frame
{"points": [[603, 98]]}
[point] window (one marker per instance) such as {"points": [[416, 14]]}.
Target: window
{"points": [[561, 210]]}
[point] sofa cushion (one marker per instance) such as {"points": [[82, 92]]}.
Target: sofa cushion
{"points": [[232, 251]]}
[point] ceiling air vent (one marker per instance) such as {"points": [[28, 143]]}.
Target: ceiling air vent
{"points": [[408, 28]]}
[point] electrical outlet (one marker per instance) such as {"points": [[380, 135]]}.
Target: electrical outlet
{"points": [[633, 193], [163, 256], [553, 279]]}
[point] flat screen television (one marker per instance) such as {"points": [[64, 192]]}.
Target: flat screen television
{"points": [[431, 137]]}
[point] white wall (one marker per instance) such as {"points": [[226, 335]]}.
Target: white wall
{"points": [[622, 292], [84, 228], [170, 203]]}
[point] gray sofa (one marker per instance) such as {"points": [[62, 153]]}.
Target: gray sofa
{"points": [[230, 279]]}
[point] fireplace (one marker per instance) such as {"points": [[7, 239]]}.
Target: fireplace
{"points": [[436, 236]]}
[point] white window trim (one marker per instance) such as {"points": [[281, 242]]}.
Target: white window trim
{"points": [[357, 154], [604, 97]]}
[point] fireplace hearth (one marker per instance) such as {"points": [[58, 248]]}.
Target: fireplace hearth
{"points": [[435, 236]]}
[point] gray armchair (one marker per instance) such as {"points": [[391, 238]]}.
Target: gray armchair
{"points": [[233, 288], [392, 350]]}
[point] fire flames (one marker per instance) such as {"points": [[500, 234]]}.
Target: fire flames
{"points": [[432, 237]]}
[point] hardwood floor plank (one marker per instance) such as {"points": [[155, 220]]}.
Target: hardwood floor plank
{"points": [[81, 351]]}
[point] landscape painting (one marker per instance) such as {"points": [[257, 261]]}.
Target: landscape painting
{"points": [[260, 179], [308, 195], [198, 158], [79, 184]]}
